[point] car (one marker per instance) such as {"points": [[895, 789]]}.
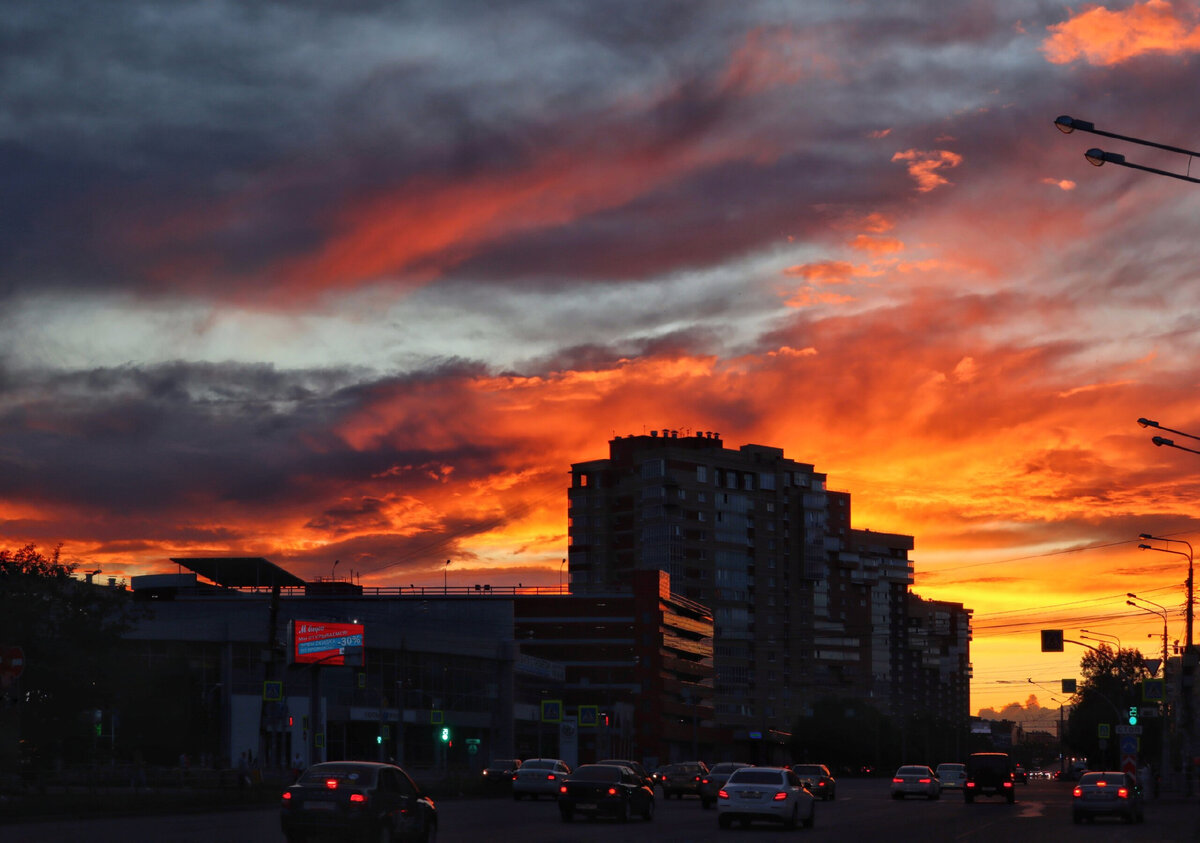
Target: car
{"points": [[916, 780], [362, 800], [712, 781], [539, 777], [765, 793], [605, 790], [952, 775], [498, 774], [645, 776], [1019, 775], [989, 774], [1107, 793], [817, 778], [682, 778]]}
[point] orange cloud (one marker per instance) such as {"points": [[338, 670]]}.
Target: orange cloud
{"points": [[923, 166], [1061, 184], [1104, 37], [877, 245]]}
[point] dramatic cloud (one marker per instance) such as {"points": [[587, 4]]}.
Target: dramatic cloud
{"points": [[359, 283]]}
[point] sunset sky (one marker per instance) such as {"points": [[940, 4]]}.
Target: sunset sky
{"points": [[359, 282]]}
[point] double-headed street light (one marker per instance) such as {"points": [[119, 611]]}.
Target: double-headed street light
{"points": [[1098, 157], [1161, 611], [1190, 578], [1087, 633], [1170, 443]]}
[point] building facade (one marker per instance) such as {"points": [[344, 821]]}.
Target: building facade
{"points": [[805, 607]]}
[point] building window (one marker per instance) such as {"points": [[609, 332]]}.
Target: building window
{"points": [[701, 474]]}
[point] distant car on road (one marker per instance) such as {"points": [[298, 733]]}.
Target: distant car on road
{"points": [[765, 793], [605, 790], [916, 780], [1019, 775], [711, 782], [498, 775], [636, 766], [682, 778], [361, 800], [952, 775], [539, 777], [817, 778], [1108, 793], [989, 774]]}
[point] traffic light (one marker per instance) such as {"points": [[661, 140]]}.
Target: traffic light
{"points": [[1133, 715], [445, 734]]}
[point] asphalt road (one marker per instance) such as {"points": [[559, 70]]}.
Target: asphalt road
{"points": [[863, 811]]}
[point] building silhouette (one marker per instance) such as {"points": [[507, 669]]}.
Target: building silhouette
{"points": [[805, 607]]}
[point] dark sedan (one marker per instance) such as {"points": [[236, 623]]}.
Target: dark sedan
{"points": [[605, 790], [817, 778], [357, 799]]}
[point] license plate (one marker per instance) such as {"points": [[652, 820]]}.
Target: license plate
{"points": [[587, 806], [318, 806], [750, 795]]}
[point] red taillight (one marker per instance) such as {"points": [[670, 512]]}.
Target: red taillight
{"points": [[562, 788], [514, 777], [1122, 793], [722, 794], [820, 784], [1008, 784], [357, 797], [550, 777], [1078, 791], [1101, 784], [612, 791], [970, 784], [924, 781], [779, 797], [331, 784], [704, 781], [897, 781], [287, 795]]}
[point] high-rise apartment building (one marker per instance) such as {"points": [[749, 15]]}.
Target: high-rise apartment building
{"points": [[804, 606]]}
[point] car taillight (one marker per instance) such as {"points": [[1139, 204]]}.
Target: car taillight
{"points": [[1008, 784], [820, 784], [704, 781], [924, 781], [897, 780], [331, 784], [970, 784], [358, 797], [562, 788], [1101, 784], [1122, 793], [550, 777], [779, 797], [1078, 791], [612, 791], [287, 796], [722, 794]]}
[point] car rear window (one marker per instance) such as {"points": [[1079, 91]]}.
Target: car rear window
{"points": [[597, 773], [538, 765], [808, 770], [727, 768], [756, 777]]}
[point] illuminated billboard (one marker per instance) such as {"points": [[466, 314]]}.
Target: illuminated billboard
{"points": [[327, 643]]}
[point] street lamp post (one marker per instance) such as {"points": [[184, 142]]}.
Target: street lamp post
{"points": [[1186, 691], [446, 578], [560, 575], [1161, 611], [1098, 157]]}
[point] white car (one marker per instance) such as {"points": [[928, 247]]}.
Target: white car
{"points": [[539, 777], [952, 776], [916, 780], [765, 793]]}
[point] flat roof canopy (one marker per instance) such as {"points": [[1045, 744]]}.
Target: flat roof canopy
{"points": [[239, 571]]}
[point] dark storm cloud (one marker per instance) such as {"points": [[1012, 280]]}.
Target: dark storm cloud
{"points": [[155, 440]]}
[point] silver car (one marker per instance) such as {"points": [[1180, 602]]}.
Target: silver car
{"points": [[1109, 793], [916, 780], [765, 793], [952, 776], [539, 777]]}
